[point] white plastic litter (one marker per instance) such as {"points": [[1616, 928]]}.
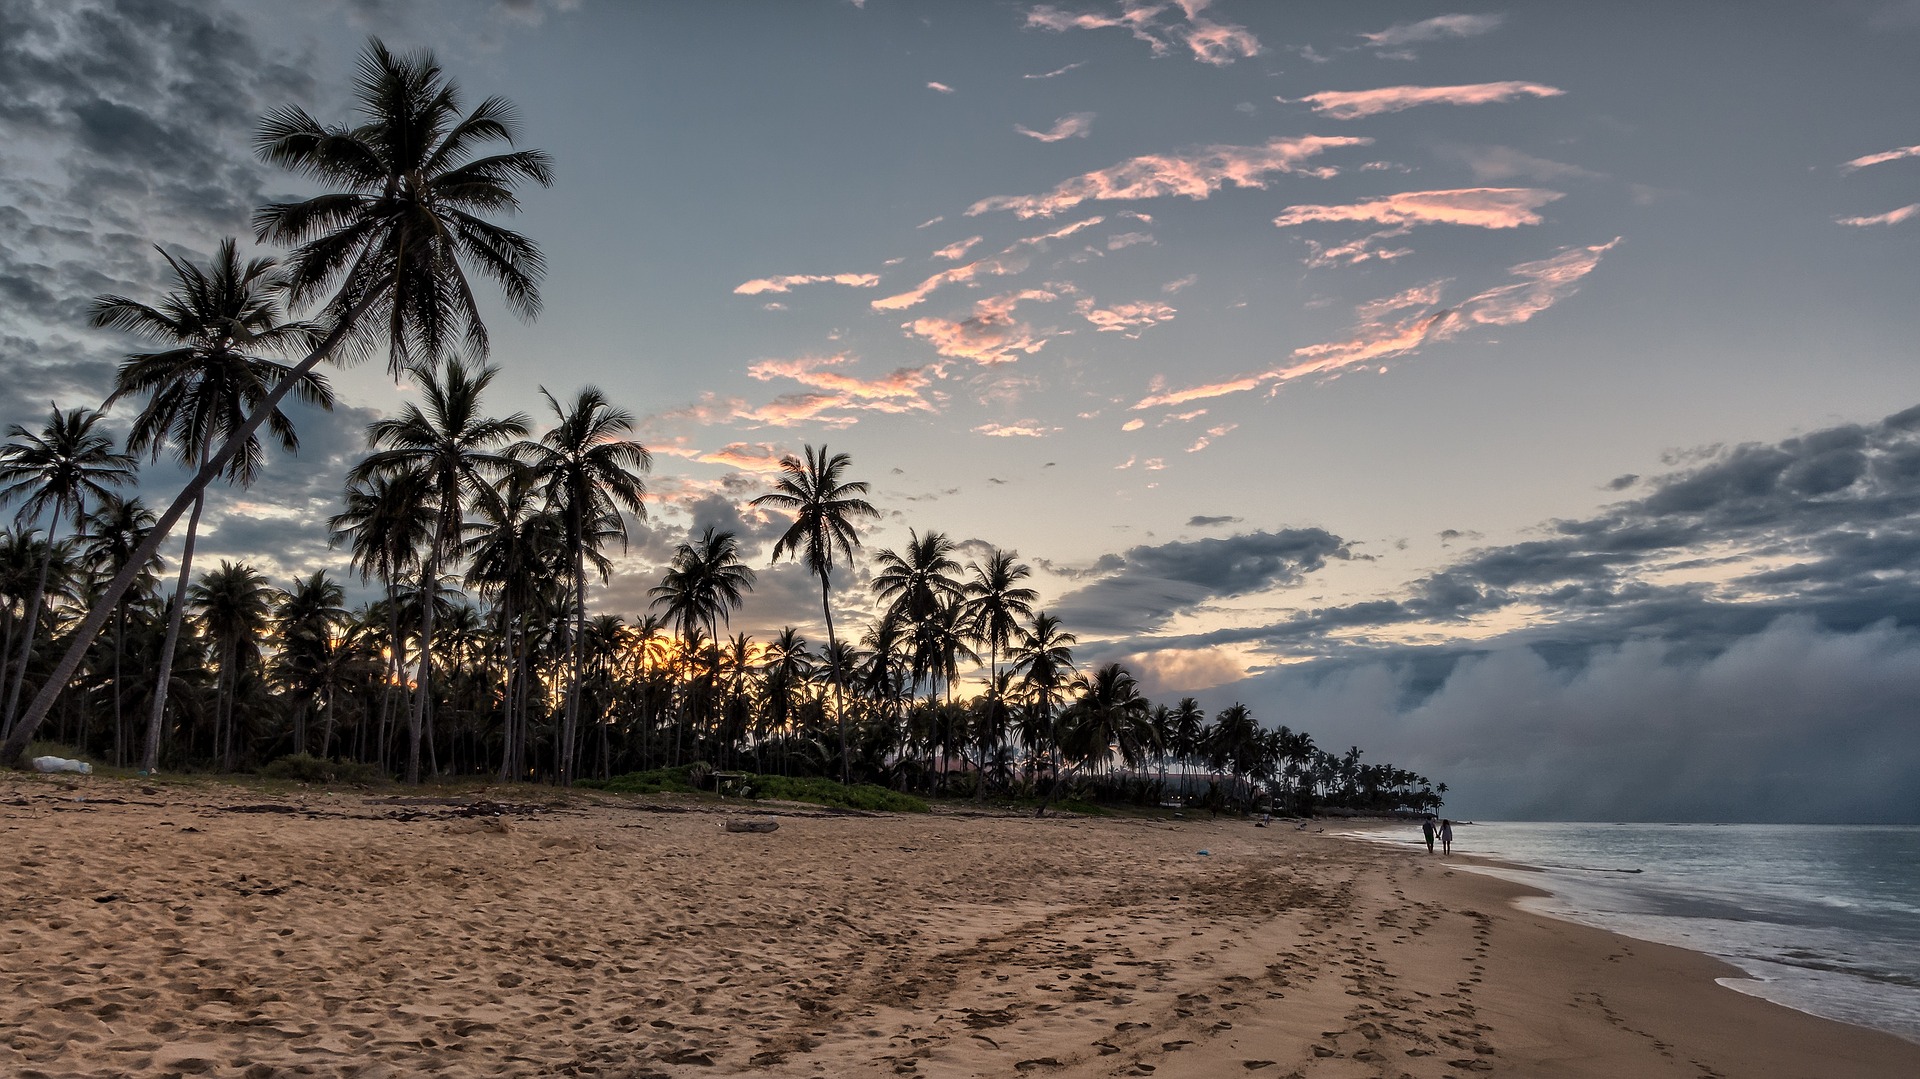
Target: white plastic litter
{"points": [[61, 764]]}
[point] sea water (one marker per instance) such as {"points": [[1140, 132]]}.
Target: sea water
{"points": [[1822, 918]]}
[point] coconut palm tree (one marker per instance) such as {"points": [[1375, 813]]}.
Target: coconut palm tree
{"points": [[996, 601], [235, 603], [590, 472], [220, 323], [513, 555], [115, 531], [1109, 714], [824, 508], [308, 616], [388, 522], [456, 451], [1043, 661], [55, 473], [397, 238]]}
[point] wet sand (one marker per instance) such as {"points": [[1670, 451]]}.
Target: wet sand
{"points": [[224, 931]]}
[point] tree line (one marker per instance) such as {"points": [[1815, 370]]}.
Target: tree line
{"points": [[480, 654]]}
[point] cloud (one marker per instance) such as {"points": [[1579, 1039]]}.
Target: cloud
{"points": [[1013, 259], [1401, 324], [1438, 28], [1355, 104], [1891, 217], [1122, 240], [833, 398], [1148, 585], [825, 373], [1208, 41], [1194, 174], [1133, 424], [786, 282], [1492, 164], [1057, 72], [1211, 522], [1073, 126], [958, 249], [990, 335], [1020, 429], [1477, 207], [940, 88], [1882, 158], [1125, 318], [1206, 440]]}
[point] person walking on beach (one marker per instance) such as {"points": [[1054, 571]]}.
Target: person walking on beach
{"points": [[1446, 837], [1426, 829]]}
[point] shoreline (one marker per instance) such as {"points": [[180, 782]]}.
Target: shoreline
{"points": [[232, 932]]}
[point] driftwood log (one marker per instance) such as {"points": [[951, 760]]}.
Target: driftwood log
{"points": [[742, 825]]}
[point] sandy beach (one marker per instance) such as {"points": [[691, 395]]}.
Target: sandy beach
{"points": [[201, 929]]}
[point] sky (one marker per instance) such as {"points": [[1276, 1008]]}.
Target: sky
{"points": [[1525, 394]]}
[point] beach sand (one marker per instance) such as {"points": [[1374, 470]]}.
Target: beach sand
{"points": [[224, 931]]}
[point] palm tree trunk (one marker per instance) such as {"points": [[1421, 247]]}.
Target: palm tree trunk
{"points": [[156, 719], [417, 718], [89, 628], [833, 675], [33, 624], [570, 726], [119, 720]]}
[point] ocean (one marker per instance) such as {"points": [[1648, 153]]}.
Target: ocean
{"points": [[1824, 918]]}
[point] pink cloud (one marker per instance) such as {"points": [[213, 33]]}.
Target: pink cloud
{"points": [[1133, 424], [759, 457], [940, 88], [1210, 42], [1127, 318], [1354, 104], [786, 282], [1366, 249], [1891, 217], [1400, 324], [1434, 29], [1014, 259], [1056, 72], [832, 397], [1128, 239], [1075, 126], [1882, 158], [823, 373], [1195, 174], [1206, 440], [991, 335], [1479, 207], [1020, 429], [957, 249]]}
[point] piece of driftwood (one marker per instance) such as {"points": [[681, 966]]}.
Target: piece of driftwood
{"points": [[751, 825]]}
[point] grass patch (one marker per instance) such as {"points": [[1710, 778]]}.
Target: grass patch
{"points": [[827, 792], [306, 768], [657, 781]]}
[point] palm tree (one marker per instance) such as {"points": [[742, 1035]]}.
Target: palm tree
{"points": [[311, 613], [1187, 723], [515, 547], [1043, 660], [450, 446], [1235, 744], [824, 508], [55, 472], [997, 601], [200, 391], [235, 604], [387, 521], [115, 531], [396, 239], [590, 472], [1110, 714]]}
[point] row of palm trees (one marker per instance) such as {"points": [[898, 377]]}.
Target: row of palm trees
{"points": [[481, 535]]}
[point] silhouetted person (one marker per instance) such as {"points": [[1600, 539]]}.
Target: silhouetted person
{"points": [[1446, 837], [1426, 829]]}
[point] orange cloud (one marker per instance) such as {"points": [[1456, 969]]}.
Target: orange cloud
{"points": [[991, 335], [1195, 174], [786, 282], [1478, 207], [1354, 104], [1201, 393], [957, 250], [1210, 42], [819, 373]]}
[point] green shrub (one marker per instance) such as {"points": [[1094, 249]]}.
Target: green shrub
{"points": [[826, 792], [657, 781], [306, 768]]}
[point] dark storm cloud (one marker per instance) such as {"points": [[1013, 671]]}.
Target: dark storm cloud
{"points": [[1144, 586]]}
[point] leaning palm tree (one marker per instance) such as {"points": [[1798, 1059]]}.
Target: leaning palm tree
{"points": [[590, 471], [824, 508], [201, 389], [456, 452], [393, 245], [54, 472]]}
